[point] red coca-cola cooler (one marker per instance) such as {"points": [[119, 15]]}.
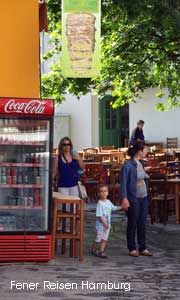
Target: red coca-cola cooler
{"points": [[26, 133]]}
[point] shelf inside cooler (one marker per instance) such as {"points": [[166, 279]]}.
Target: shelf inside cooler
{"points": [[23, 186], [27, 124], [19, 207], [22, 143], [6, 164], [22, 219]]}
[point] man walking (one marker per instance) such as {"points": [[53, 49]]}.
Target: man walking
{"points": [[137, 134]]}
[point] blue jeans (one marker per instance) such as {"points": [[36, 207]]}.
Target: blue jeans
{"points": [[137, 215]]}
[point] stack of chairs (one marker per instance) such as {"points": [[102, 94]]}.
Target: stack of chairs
{"points": [[161, 199], [172, 143]]}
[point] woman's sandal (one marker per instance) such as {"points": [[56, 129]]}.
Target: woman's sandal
{"points": [[146, 253], [134, 253]]}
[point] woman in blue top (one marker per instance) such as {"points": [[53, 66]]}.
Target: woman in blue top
{"points": [[66, 168]]}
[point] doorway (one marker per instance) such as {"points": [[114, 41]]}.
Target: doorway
{"points": [[113, 123]]}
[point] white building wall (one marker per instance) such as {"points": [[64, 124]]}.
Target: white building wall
{"points": [[95, 121], [61, 128], [158, 125], [80, 112]]}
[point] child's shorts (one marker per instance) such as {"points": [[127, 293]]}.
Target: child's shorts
{"points": [[102, 235]]}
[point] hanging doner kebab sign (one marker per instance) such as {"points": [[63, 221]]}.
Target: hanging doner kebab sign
{"points": [[81, 22], [26, 106]]}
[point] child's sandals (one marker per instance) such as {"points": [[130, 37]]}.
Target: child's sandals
{"points": [[102, 255], [94, 253]]}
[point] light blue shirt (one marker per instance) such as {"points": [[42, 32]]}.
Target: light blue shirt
{"points": [[104, 209]]}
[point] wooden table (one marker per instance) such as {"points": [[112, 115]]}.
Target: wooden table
{"points": [[176, 183], [161, 154], [159, 145], [124, 149], [97, 163], [172, 153], [167, 150], [111, 156]]}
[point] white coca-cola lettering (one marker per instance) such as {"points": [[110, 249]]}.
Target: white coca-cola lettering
{"points": [[31, 107]]}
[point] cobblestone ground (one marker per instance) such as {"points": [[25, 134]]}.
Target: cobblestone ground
{"points": [[156, 278]]}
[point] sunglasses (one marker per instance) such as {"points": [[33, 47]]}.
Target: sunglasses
{"points": [[66, 144]]}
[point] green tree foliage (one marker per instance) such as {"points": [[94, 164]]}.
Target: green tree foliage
{"points": [[140, 49]]}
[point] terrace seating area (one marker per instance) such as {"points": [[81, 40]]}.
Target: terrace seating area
{"points": [[103, 165]]}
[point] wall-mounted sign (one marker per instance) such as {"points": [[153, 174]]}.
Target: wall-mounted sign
{"points": [[81, 22]]}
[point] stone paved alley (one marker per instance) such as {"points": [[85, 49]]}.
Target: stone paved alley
{"points": [[156, 278]]}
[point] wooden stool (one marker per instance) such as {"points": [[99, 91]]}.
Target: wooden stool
{"points": [[75, 216]]}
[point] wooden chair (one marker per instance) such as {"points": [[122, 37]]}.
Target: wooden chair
{"points": [[68, 225], [126, 142], [106, 148], [161, 157], [117, 156], [115, 150], [162, 201], [98, 158], [170, 155], [89, 154], [172, 143], [81, 154], [55, 152], [158, 171], [114, 185], [174, 168], [158, 145], [94, 174], [177, 155], [151, 162], [106, 156]]}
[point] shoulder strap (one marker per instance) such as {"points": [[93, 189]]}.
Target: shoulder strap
{"points": [[66, 160]]}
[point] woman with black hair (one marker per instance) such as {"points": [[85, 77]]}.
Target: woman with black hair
{"points": [[134, 199], [67, 165]]}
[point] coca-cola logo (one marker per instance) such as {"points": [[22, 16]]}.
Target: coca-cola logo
{"points": [[31, 107]]}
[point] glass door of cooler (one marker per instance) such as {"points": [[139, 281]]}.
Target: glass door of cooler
{"points": [[24, 174]]}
